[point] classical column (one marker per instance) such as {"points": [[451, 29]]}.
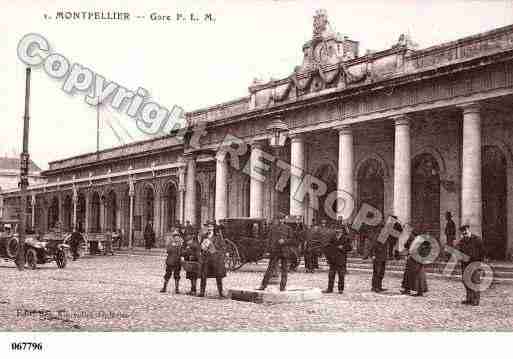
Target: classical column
{"points": [[87, 227], [181, 193], [75, 202], [345, 169], [221, 199], [103, 211], [131, 194], [471, 200], [60, 209], [256, 186], [297, 164], [33, 209], [402, 170], [190, 192]]}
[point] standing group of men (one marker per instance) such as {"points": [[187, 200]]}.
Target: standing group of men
{"points": [[317, 240], [203, 257]]}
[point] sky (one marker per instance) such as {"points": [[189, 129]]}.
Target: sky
{"points": [[192, 65]]}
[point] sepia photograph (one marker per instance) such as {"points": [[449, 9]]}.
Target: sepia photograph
{"points": [[245, 173]]}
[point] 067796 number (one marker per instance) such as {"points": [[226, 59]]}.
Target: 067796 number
{"points": [[27, 346]]}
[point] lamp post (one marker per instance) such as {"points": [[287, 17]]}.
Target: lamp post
{"points": [[24, 168]]}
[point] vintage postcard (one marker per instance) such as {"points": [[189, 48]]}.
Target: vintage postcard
{"points": [[255, 167]]}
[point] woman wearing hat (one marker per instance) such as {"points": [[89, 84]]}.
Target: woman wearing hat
{"points": [[212, 259]]}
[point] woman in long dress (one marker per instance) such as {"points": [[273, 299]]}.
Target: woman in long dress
{"points": [[414, 277]]}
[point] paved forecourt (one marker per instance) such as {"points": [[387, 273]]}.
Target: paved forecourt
{"points": [[122, 293]]}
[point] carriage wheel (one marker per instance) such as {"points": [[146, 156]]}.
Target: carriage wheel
{"points": [[31, 258], [232, 259]]}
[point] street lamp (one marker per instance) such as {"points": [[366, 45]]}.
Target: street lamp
{"points": [[24, 168]]}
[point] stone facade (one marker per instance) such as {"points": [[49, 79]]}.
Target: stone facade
{"points": [[412, 132]]}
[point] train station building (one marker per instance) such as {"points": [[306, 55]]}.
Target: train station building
{"points": [[413, 132]]}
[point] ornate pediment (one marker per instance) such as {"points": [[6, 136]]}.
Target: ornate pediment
{"points": [[326, 46]]}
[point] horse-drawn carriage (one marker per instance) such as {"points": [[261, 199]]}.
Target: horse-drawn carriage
{"points": [[246, 240]]}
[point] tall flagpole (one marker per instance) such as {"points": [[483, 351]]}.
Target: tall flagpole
{"points": [[24, 167], [98, 129]]}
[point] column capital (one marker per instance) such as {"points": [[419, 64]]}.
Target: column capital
{"points": [[401, 120], [297, 137], [471, 107], [255, 144], [344, 129], [188, 156]]}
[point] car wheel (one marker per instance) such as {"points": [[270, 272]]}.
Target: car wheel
{"points": [[61, 259], [31, 258], [11, 248]]}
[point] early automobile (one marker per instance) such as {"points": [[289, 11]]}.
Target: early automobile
{"points": [[38, 250], [246, 240]]}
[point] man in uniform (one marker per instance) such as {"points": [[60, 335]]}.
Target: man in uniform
{"points": [[378, 254], [280, 239], [173, 264], [213, 249], [192, 265], [472, 246], [74, 243], [335, 249]]}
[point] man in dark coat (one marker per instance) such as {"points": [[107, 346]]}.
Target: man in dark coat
{"points": [[335, 248], [378, 254], [149, 235], [192, 265], [450, 229], [173, 261], [472, 246], [74, 243], [313, 247], [213, 250], [281, 237], [189, 230]]}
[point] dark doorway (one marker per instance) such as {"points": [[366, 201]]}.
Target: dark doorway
{"points": [[68, 214], [371, 187], [426, 195], [495, 210], [95, 213], [328, 175], [199, 201]]}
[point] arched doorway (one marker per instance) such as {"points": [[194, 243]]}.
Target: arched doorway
{"points": [[148, 206], [111, 211], [328, 175], [170, 206], [245, 196], [371, 184], [199, 201], [426, 195], [53, 213], [68, 213], [495, 209], [95, 226], [81, 211]]}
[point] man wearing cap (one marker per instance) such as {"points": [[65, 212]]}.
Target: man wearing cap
{"points": [[213, 249], [280, 238], [472, 246], [335, 247], [173, 267]]}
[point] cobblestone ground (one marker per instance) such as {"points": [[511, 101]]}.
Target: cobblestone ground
{"points": [[122, 293]]}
